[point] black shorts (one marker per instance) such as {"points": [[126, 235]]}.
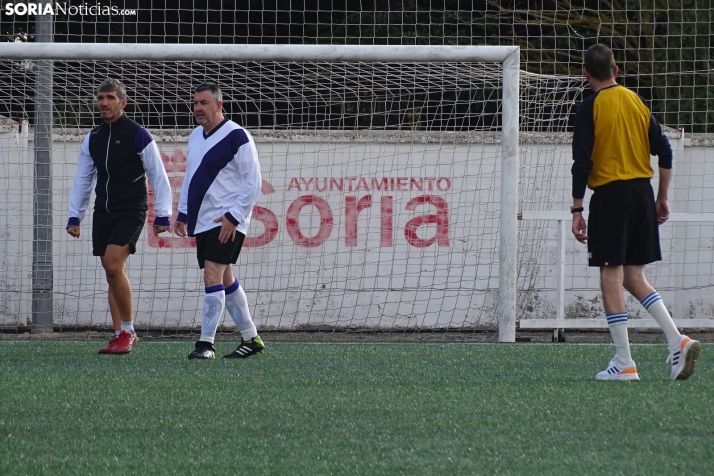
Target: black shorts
{"points": [[622, 227], [208, 248], [117, 228]]}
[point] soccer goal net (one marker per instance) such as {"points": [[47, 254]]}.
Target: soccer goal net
{"points": [[392, 179]]}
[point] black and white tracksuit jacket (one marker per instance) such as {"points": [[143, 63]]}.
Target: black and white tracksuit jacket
{"points": [[119, 156]]}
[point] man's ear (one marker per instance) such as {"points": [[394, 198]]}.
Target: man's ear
{"points": [[615, 71]]}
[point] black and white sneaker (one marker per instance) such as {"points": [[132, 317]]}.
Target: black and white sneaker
{"points": [[618, 371], [204, 350], [247, 348]]}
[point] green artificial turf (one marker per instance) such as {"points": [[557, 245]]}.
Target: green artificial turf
{"points": [[336, 408]]}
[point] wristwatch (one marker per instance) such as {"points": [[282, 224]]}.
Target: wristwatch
{"points": [[576, 210]]}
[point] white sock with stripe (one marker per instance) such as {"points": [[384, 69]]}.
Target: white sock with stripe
{"points": [[617, 323], [237, 305], [655, 306], [128, 326], [213, 303]]}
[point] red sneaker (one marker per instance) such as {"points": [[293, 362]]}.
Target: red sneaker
{"points": [[123, 343], [110, 346]]}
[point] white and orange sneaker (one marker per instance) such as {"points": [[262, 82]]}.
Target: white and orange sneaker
{"points": [[618, 371], [683, 358]]}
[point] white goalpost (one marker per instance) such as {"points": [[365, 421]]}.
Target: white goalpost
{"points": [[436, 266]]}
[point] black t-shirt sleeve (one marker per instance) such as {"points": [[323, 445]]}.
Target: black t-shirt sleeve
{"points": [[583, 141], [659, 144]]}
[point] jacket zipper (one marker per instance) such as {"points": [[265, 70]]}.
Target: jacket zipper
{"points": [[106, 164]]}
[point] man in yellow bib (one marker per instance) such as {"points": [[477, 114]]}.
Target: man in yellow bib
{"points": [[614, 136]]}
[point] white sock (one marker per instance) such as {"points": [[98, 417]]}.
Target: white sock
{"points": [[655, 306], [213, 303], [617, 323], [128, 326], [237, 305]]}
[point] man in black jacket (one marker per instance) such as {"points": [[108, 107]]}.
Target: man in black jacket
{"points": [[118, 154]]}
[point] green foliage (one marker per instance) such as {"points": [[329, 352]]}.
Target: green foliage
{"points": [[74, 115], [657, 43]]}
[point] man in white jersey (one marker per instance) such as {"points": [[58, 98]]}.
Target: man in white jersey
{"points": [[220, 189]]}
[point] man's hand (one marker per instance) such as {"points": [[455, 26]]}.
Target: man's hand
{"points": [[579, 228], [228, 230], [180, 228], [160, 229], [662, 207], [73, 231]]}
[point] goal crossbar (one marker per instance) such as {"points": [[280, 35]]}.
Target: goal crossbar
{"points": [[211, 52]]}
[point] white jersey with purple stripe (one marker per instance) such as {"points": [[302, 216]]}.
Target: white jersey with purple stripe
{"points": [[222, 178]]}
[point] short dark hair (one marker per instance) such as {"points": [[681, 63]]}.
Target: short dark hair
{"points": [[114, 85], [600, 62], [213, 87]]}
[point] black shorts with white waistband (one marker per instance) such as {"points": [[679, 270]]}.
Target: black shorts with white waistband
{"points": [[208, 248], [622, 226]]}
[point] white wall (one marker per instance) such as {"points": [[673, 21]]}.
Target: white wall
{"points": [[378, 277], [683, 277], [16, 171]]}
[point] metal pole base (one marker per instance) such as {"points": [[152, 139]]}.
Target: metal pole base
{"points": [[42, 313]]}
